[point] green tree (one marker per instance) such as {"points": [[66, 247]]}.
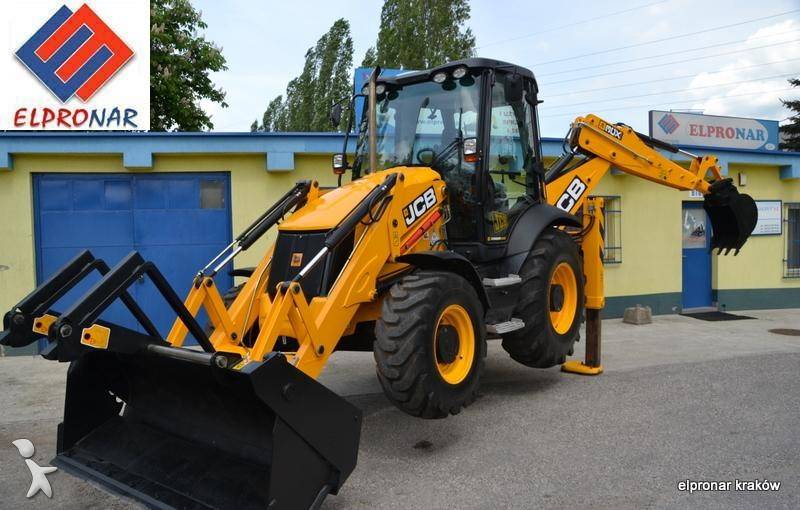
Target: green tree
{"points": [[335, 59], [791, 131], [272, 116], [369, 58], [180, 62], [420, 34], [325, 80]]}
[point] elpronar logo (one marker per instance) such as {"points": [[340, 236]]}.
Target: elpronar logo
{"points": [[611, 130], [77, 57], [413, 211], [74, 53]]}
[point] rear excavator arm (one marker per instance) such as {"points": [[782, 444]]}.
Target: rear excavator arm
{"points": [[599, 146], [603, 145]]}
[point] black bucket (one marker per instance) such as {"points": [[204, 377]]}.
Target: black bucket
{"points": [[177, 434], [733, 216]]}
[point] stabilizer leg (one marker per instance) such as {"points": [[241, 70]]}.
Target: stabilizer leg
{"points": [[592, 247], [592, 364]]}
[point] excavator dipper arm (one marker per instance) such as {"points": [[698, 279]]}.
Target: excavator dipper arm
{"points": [[603, 145]]}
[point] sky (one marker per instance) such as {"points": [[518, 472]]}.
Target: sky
{"points": [[616, 59]]}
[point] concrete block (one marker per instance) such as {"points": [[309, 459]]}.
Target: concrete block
{"points": [[638, 315]]}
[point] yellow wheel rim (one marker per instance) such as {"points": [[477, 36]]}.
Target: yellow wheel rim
{"points": [[562, 312], [454, 365]]}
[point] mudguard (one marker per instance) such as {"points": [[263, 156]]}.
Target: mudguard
{"points": [[527, 229], [448, 261]]}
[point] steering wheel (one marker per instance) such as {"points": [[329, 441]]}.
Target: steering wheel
{"points": [[424, 150]]}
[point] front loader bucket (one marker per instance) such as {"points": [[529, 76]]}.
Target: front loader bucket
{"points": [[179, 434], [733, 216]]}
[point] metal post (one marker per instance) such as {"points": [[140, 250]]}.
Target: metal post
{"points": [[373, 121]]}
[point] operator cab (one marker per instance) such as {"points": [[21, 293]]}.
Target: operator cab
{"points": [[474, 122]]}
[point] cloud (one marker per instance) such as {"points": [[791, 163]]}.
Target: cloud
{"points": [[752, 83]]}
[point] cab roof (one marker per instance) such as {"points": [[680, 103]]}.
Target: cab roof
{"points": [[472, 63]]}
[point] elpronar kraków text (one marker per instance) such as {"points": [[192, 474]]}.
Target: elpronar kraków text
{"points": [[692, 486]]}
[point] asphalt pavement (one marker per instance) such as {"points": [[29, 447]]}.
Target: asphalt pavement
{"points": [[681, 400]]}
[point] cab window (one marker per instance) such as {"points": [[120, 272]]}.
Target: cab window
{"points": [[509, 159]]}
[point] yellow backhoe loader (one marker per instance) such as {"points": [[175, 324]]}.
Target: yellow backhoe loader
{"points": [[452, 231]]}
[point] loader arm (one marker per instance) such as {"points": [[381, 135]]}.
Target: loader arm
{"points": [[603, 145]]}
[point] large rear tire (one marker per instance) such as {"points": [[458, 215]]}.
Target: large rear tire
{"points": [[551, 303], [430, 344]]}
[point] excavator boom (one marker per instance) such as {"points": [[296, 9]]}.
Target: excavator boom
{"points": [[600, 146]]}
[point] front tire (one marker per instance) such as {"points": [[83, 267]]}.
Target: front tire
{"points": [[430, 344], [551, 304]]}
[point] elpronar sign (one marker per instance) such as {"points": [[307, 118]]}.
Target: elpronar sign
{"points": [[714, 131]]}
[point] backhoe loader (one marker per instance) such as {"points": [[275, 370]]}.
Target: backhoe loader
{"points": [[451, 232]]}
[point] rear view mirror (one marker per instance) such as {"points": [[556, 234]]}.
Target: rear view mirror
{"points": [[514, 88], [336, 115]]}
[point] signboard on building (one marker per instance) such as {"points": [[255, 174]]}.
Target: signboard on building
{"points": [[75, 65], [714, 131], [769, 218]]}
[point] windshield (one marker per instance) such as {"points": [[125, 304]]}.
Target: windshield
{"points": [[421, 124]]}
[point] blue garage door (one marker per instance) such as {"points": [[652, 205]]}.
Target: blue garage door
{"points": [[178, 221]]}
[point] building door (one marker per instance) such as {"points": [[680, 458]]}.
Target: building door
{"points": [[178, 221], [696, 257]]}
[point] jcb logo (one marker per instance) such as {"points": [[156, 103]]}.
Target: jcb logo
{"points": [[612, 130], [571, 195], [413, 211]]}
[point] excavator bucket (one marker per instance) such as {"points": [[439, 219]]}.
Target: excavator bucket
{"points": [[733, 216], [182, 433], [176, 427]]}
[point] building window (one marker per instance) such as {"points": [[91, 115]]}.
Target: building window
{"points": [[792, 235], [613, 237], [212, 194]]}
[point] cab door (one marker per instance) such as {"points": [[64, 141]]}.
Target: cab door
{"points": [[509, 159]]}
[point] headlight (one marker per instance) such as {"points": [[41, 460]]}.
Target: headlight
{"points": [[339, 164], [471, 154], [365, 90], [380, 89], [459, 72], [440, 77]]}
